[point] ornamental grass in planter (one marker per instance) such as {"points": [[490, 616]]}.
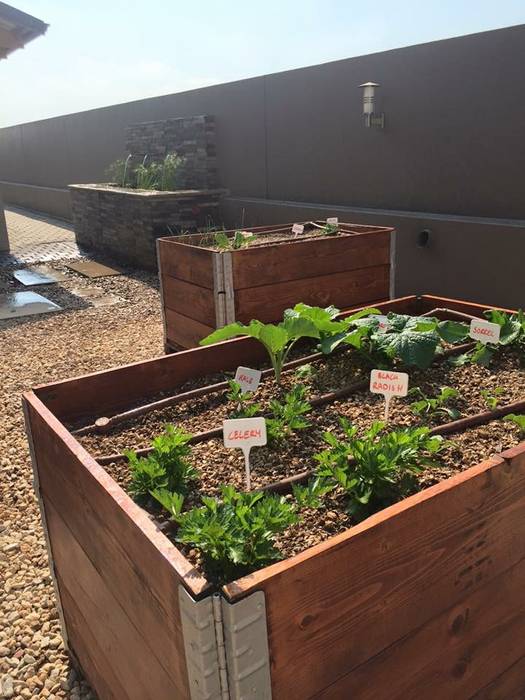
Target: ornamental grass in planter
{"points": [[367, 561], [125, 217], [209, 280]]}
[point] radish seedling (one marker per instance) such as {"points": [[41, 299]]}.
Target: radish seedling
{"points": [[434, 407]]}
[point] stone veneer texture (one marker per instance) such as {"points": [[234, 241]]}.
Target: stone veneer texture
{"points": [[190, 137]]}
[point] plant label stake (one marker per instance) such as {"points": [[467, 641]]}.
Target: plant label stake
{"points": [[297, 229], [384, 323], [243, 434], [248, 379], [389, 384], [484, 331], [332, 220]]}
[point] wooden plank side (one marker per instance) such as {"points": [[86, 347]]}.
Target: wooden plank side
{"points": [[104, 392], [510, 685], [183, 331], [185, 298], [342, 289], [129, 553], [431, 302], [84, 645], [454, 655], [363, 590], [122, 646], [269, 265], [188, 263]]}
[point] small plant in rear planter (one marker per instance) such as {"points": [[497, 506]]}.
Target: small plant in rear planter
{"points": [[366, 540]]}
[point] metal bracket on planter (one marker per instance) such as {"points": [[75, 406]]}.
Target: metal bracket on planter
{"points": [[246, 640], [226, 647]]}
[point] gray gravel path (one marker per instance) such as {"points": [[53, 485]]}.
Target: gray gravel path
{"points": [[35, 350]]}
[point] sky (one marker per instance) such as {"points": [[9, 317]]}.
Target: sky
{"points": [[98, 53]]}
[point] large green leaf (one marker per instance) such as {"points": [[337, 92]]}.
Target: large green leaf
{"points": [[297, 327], [273, 337], [232, 330], [412, 347], [453, 331]]}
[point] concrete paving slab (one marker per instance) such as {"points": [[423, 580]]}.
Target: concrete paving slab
{"points": [[39, 274], [92, 269], [19, 304], [97, 297]]}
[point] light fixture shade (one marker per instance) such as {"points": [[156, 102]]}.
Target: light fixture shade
{"points": [[368, 97]]}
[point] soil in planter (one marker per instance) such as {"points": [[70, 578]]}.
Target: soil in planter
{"points": [[218, 465], [276, 237], [197, 415], [462, 450]]}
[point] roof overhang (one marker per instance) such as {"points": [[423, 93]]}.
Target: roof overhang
{"points": [[17, 29]]}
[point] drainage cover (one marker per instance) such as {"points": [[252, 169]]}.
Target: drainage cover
{"points": [[24, 304]]}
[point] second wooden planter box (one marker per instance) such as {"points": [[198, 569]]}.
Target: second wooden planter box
{"points": [[422, 600], [203, 289]]}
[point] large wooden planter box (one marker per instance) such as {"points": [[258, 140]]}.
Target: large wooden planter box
{"points": [[125, 223], [203, 289], [425, 599]]}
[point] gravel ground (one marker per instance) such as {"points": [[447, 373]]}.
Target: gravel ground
{"points": [[34, 350]]}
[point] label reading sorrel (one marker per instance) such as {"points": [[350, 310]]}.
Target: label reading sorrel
{"points": [[248, 379], [332, 220], [484, 331]]}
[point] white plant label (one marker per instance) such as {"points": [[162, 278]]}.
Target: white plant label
{"points": [[484, 331], [248, 379], [297, 229], [243, 434], [389, 384], [384, 323], [332, 220]]}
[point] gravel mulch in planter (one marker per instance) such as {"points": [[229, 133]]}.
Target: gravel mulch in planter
{"points": [[218, 465], [36, 350], [208, 412]]}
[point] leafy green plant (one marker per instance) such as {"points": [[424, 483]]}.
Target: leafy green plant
{"points": [[434, 407], [236, 534], [491, 396], [165, 175], [305, 373], [330, 229], [171, 172], [240, 239], [147, 176], [170, 500], [288, 414], [518, 419], [278, 340], [116, 172], [378, 468], [311, 495], [512, 334], [415, 339], [244, 409], [165, 467]]}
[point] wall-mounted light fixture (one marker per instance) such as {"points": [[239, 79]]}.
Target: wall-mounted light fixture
{"points": [[371, 118]]}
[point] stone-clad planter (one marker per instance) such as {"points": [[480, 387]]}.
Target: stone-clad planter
{"points": [[203, 289], [126, 223], [424, 599]]}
